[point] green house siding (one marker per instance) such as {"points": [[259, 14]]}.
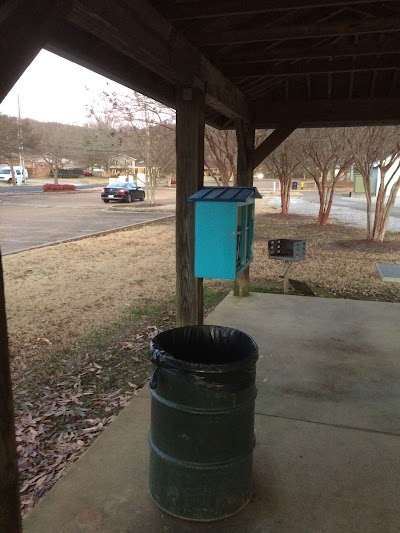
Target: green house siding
{"points": [[358, 182]]}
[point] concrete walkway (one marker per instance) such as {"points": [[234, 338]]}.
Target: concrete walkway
{"points": [[327, 431]]}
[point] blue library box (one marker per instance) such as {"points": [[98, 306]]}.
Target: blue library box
{"points": [[224, 229]]}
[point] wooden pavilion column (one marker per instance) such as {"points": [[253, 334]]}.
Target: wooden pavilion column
{"points": [[25, 28], [10, 511], [245, 134], [189, 179]]}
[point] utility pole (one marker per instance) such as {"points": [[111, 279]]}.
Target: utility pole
{"points": [[20, 138], [149, 185]]}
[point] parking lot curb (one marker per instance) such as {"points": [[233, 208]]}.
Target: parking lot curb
{"points": [[89, 235]]}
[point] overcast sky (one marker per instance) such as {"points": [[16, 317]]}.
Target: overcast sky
{"points": [[53, 89]]}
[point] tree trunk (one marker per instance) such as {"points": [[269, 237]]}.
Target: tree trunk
{"points": [[321, 193], [369, 217], [327, 206], [285, 194], [11, 165], [367, 189], [152, 183], [379, 206], [381, 223], [325, 199], [55, 175]]}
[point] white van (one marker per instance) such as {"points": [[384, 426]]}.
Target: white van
{"points": [[20, 173]]}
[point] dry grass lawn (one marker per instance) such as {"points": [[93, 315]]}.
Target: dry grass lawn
{"points": [[60, 293], [80, 316]]}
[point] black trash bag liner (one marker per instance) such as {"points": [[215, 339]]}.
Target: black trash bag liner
{"points": [[213, 357]]}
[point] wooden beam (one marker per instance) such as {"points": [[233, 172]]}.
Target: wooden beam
{"points": [[328, 113], [10, 510], [245, 135], [225, 8], [307, 51], [189, 179], [25, 27], [299, 68], [281, 32], [140, 32], [273, 141], [99, 57], [394, 84]]}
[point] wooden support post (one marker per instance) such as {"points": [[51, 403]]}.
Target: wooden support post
{"points": [[245, 134], [189, 179], [10, 512]]}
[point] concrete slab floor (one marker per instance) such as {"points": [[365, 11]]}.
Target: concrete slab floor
{"points": [[327, 431]]}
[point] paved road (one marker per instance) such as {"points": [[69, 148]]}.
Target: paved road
{"points": [[343, 200], [29, 220]]}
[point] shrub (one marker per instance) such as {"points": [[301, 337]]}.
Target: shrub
{"points": [[50, 187]]}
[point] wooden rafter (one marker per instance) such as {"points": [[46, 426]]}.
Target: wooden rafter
{"points": [[223, 8], [294, 53], [316, 67], [329, 112], [142, 34], [297, 31]]}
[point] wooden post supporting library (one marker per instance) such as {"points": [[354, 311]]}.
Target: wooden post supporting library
{"points": [[189, 179], [245, 134]]}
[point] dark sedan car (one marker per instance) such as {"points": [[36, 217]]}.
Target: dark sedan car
{"points": [[123, 192]]}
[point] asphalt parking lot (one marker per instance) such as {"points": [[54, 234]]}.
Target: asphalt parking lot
{"points": [[38, 219]]}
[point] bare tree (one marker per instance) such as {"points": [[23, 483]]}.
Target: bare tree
{"points": [[57, 145], [283, 162], [221, 153], [155, 145], [148, 129], [327, 160], [379, 146], [102, 144]]}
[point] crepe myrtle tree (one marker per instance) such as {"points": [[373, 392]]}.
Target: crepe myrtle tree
{"points": [[326, 158], [221, 154], [283, 162], [377, 146]]}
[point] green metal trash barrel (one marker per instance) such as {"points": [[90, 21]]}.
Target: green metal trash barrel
{"points": [[202, 421]]}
